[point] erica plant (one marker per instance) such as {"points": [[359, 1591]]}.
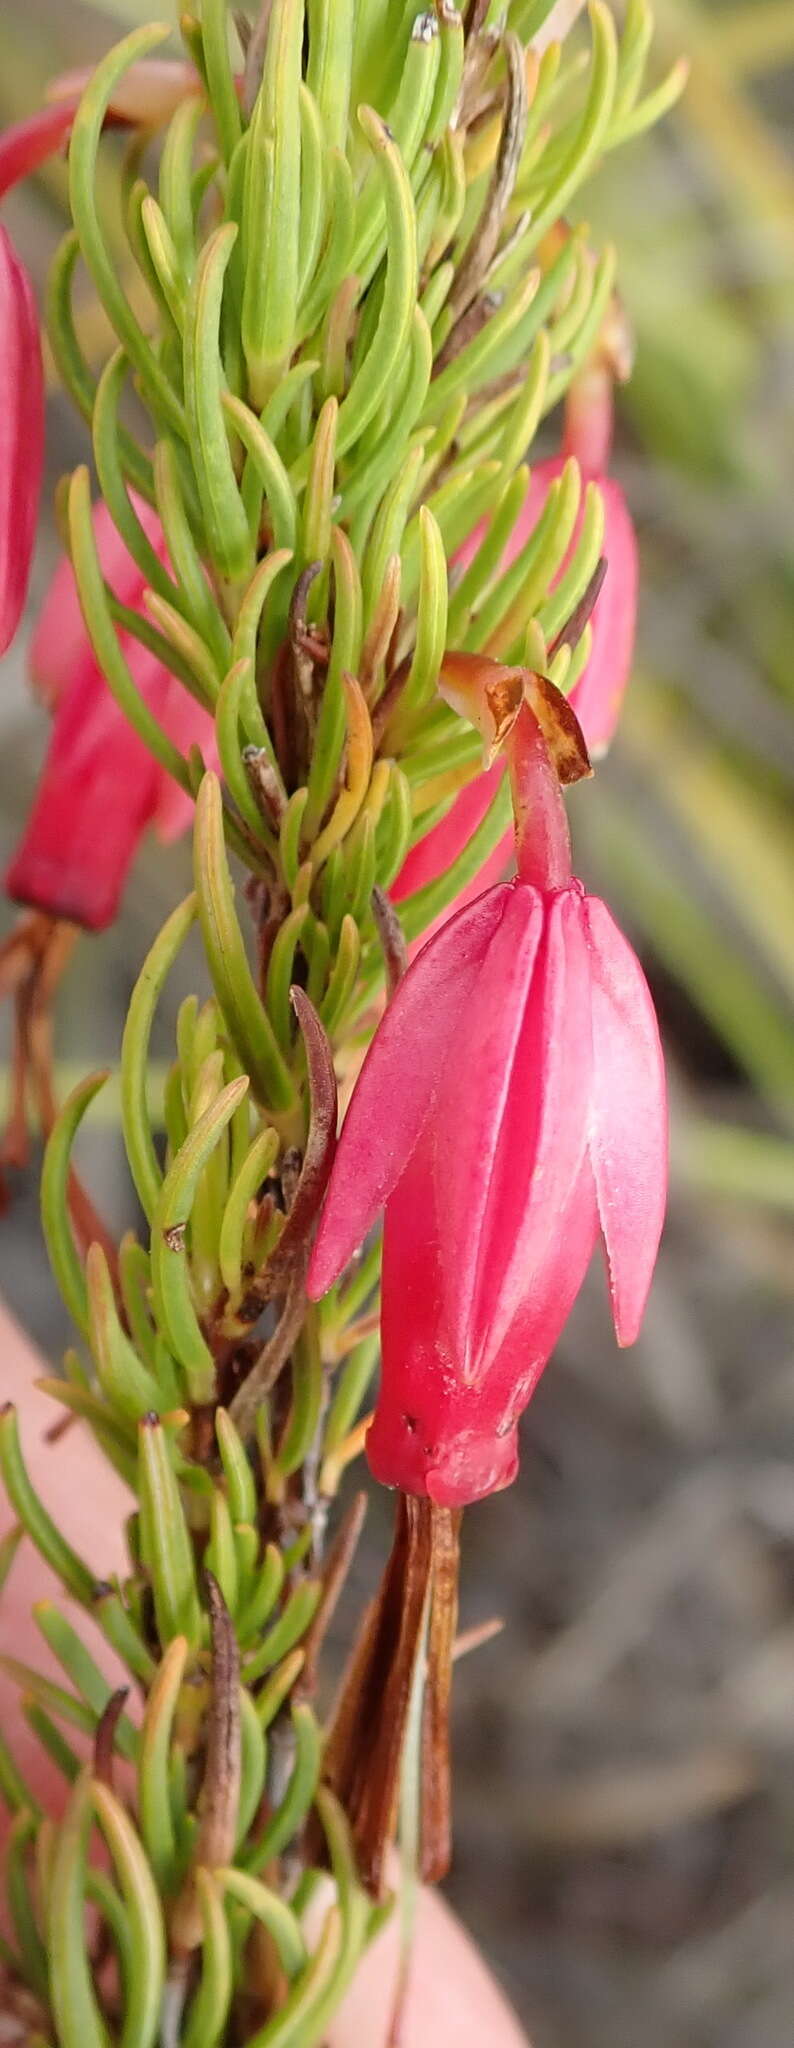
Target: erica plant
{"points": [[316, 607]]}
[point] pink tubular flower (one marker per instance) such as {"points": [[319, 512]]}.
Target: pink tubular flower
{"points": [[21, 435], [433, 854], [100, 789], [598, 695], [511, 1107]]}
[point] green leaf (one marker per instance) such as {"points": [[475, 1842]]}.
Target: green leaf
{"points": [[299, 1794], [330, 62], [56, 1168], [263, 1599], [73, 369], [268, 469], [352, 1383], [253, 1171], [420, 909], [245, 1014], [193, 595], [371, 380], [253, 1766], [313, 193], [30, 1511], [166, 1546], [171, 1278], [126, 1384], [143, 1987], [293, 2025], [83, 178], [272, 1912], [96, 610], [209, 2007], [138, 1140], [75, 2010], [308, 1396], [89, 1682], [286, 1632], [110, 471], [271, 208], [222, 506], [221, 86], [154, 1795]]}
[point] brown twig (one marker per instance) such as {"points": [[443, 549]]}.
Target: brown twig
{"points": [[575, 625], [105, 1736], [220, 1791], [337, 1566], [272, 1358], [482, 247]]}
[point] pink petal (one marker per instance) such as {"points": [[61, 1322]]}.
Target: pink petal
{"points": [[60, 643], [431, 1433], [398, 1080], [21, 435], [491, 1226], [628, 1133], [96, 796], [519, 1120], [27, 144], [549, 1294], [476, 1108], [434, 1433]]}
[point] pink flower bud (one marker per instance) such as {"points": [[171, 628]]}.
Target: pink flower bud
{"points": [[96, 795], [21, 435], [26, 145], [100, 790], [511, 1107]]}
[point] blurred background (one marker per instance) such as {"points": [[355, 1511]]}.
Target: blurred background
{"points": [[625, 1788]]}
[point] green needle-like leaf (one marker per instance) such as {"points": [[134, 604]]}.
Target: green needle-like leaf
{"points": [[30, 1511], [245, 1014], [75, 2010], [83, 148], [61, 1247], [143, 1986], [171, 1280], [222, 506], [300, 1790], [271, 210], [209, 2007], [272, 1913], [139, 1142], [166, 1547], [154, 1795]]}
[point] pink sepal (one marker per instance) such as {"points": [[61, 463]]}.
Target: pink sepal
{"points": [[628, 1126]]}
